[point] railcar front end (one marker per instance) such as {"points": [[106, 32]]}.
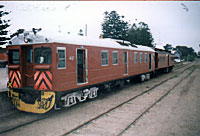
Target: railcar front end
{"points": [[30, 78]]}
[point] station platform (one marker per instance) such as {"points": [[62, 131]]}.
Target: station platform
{"points": [[5, 103], [3, 79]]}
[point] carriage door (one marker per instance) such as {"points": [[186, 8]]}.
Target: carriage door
{"points": [[156, 60], [27, 60], [125, 62], [81, 66], [150, 62], [168, 59]]}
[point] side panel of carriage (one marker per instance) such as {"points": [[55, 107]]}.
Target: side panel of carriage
{"points": [[161, 60], [83, 65], [171, 60]]}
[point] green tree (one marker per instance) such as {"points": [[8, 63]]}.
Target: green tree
{"points": [[3, 26], [188, 54], [140, 34], [113, 26], [168, 47]]}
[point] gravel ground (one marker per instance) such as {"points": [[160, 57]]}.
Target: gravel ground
{"points": [[177, 114]]}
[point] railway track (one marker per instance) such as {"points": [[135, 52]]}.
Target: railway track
{"points": [[148, 109], [21, 124], [181, 65], [41, 117], [78, 128]]}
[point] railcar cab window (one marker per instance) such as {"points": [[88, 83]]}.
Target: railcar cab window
{"points": [[135, 57], [42, 55], [115, 57], [145, 57], [62, 57], [141, 57], [13, 56], [29, 55], [104, 58]]}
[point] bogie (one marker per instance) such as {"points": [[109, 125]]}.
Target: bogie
{"points": [[79, 96]]}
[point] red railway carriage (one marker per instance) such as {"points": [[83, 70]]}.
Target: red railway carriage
{"points": [[49, 71], [164, 60], [89, 64], [171, 61]]}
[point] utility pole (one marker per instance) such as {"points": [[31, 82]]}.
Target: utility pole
{"points": [[59, 29], [85, 29]]}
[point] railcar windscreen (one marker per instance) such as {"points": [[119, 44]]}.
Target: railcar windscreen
{"points": [[13, 56], [42, 55]]}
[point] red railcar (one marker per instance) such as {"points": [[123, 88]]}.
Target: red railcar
{"points": [[51, 71]]}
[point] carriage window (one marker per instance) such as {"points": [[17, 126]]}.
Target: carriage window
{"points": [[3, 50], [145, 58], [42, 55], [104, 58], [141, 57], [62, 57], [135, 57], [13, 56], [115, 57]]}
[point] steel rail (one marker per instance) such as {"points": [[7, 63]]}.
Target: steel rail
{"points": [[150, 107]]}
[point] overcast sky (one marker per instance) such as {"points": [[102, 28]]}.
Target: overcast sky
{"points": [[176, 23]]}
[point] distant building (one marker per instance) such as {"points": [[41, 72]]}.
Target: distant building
{"points": [[177, 55]]}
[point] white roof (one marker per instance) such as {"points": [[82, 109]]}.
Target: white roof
{"points": [[173, 51], [42, 37], [160, 47], [3, 46]]}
